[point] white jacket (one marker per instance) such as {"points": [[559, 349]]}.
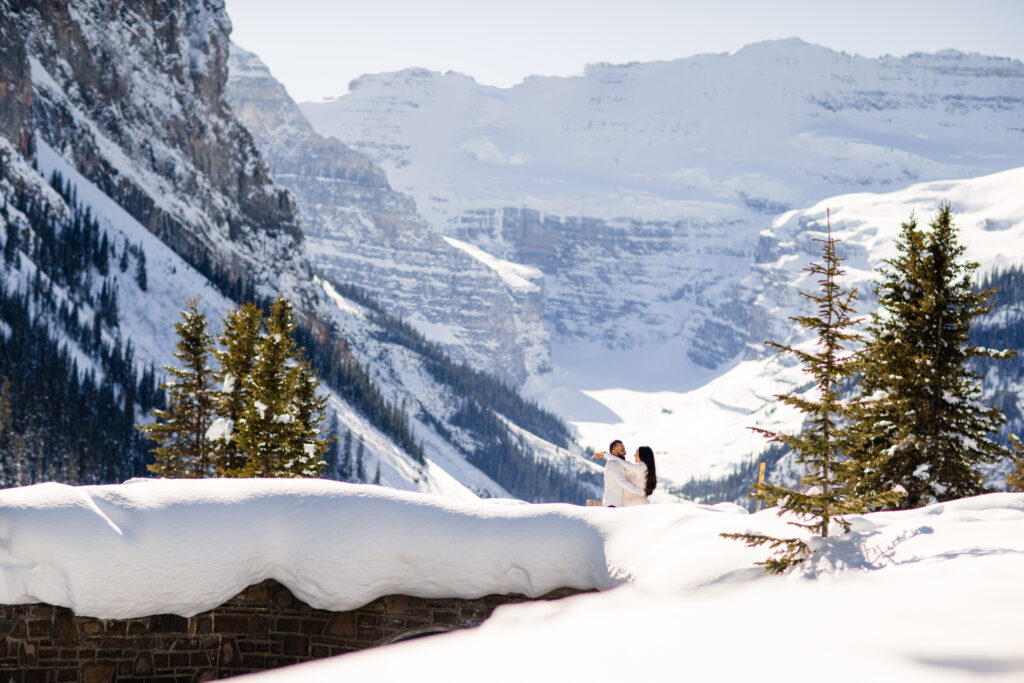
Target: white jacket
{"points": [[637, 475], [616, 481]]}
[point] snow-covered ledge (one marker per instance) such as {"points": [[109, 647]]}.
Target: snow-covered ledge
{"points": [[182, 547], [185, 546]]}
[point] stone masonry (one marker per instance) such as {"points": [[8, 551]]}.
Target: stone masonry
{"points": [[263, 627]]}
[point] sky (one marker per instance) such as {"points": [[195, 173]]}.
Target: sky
{"points": [[316, 47]]}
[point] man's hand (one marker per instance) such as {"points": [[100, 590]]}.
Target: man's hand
{"points": [[598, 455]]}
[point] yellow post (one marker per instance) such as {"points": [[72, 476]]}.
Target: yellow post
{"points": [[760, 483]]}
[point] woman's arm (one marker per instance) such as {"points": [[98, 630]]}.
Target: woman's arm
{"points": [[619, 475]]}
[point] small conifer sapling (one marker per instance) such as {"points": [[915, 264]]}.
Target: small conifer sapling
{"points": [[819, 447]]}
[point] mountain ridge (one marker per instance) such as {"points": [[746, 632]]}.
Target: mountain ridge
{"points": [[125, 114]]}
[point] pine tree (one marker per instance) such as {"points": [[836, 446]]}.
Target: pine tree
{"points": [[266, 430], [140, 269], [180, 431], [819, 447], [240, 343], [1015, 479], [360, 464], [308, 447], [922, 424], [14, 464], [11, 245], [347, 470], [333, 469], [376, 476]]}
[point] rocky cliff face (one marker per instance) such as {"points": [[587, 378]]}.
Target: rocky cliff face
{"points": [[134, 94], [115, 124], [360, 230], [640, 190], [15, 86]]}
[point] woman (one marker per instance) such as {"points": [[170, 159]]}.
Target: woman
{"points": [[644, 475]]}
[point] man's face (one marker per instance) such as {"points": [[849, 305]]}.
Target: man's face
{"points": [[619, 450]]}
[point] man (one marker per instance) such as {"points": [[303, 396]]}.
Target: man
{"points": [[615, 481]]}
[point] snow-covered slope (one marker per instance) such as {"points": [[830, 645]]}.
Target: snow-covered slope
{"points": [[925, 595], [930, 594], [640, 190], [779, 122], [649, 196], [702, 433], [130, 109], [360, 230]]}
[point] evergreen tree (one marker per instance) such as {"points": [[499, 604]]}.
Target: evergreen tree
{"points": [[333, 468], [360, 463], [180, 430], [922, 424], [140, 269], [266, 431], [308, 447], [819, 447], [14, 461], [347, 471], [376, 476], [11, 245], [1015, 479], [240, 343]]}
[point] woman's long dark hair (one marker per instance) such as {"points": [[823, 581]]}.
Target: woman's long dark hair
{"points": [[647, 458]]}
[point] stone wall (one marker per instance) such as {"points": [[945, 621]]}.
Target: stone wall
{"points": [[263, 627]]}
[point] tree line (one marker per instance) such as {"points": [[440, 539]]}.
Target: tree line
{"points": [[484, 400], [257, 415], [66, 416], [896, 418]]}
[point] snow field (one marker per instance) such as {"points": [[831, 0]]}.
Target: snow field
{"points": [[702, 431], [928, 595]]}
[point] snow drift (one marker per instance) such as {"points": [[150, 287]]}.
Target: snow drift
{"points": [[929, 594]]}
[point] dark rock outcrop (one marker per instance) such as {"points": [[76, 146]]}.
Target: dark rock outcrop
{"points": [[133, 94]]}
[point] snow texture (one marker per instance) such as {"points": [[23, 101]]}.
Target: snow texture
{"points": [[688, 597], [929, 595], [185, 546], [220, 429]]}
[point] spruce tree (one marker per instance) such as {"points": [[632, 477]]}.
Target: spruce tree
{"points": [[333, 468], [240, 343], [825, 436], [180, 430], [347, 470], [308, 447], [922, 423], [1015, 479], [140, 269], [266, 431], [360, 462]]}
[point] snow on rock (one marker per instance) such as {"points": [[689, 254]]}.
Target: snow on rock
{"points": [[515, 275], [931, 594]]}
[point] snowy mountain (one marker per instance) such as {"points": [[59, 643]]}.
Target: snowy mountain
{"points": [[649, 196], [358, 229], [703, 432], [129, 185], [640, 190]]}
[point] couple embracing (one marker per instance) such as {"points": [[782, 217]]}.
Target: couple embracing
{"points": [[628, 483]]}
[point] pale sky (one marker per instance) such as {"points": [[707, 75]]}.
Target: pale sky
{"points": [[315, 47]]}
